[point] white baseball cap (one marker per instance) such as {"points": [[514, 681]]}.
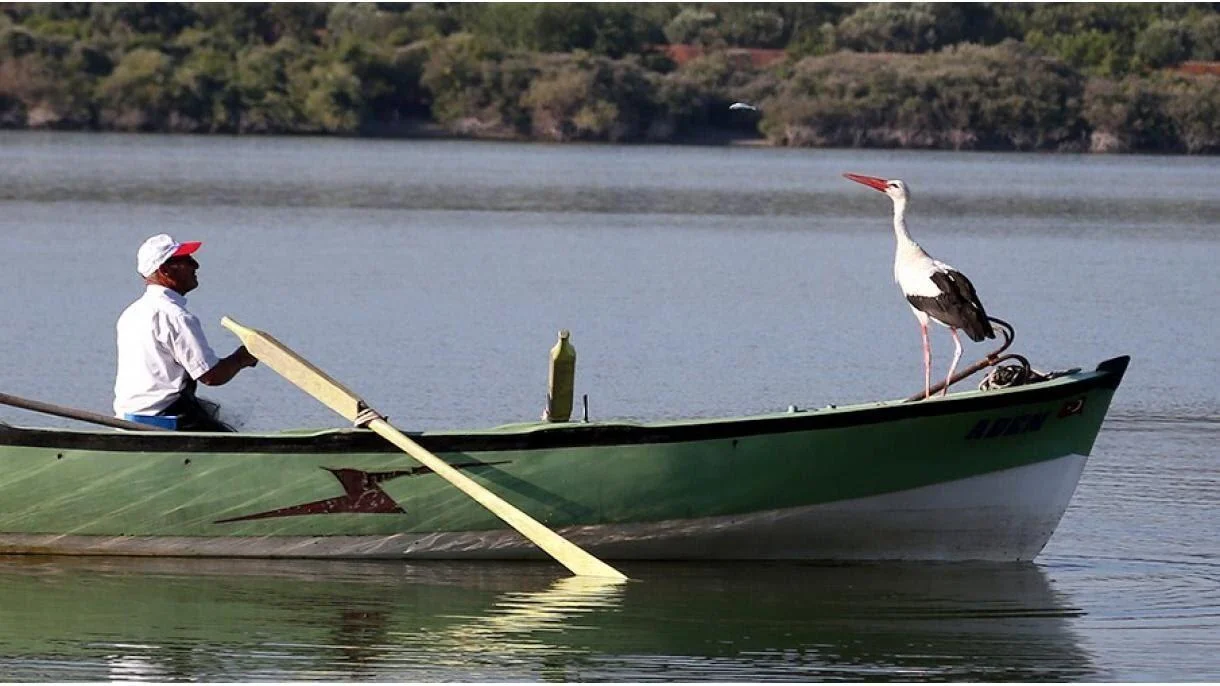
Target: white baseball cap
{"points": [[157, 249]]}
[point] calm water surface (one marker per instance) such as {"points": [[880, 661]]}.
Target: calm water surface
{"points": [[431, 278]]}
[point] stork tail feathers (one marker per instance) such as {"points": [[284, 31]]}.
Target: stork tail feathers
{"points": [[980, 329]]}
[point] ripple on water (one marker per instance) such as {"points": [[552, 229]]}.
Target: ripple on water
{"points": [[1138, 547]]}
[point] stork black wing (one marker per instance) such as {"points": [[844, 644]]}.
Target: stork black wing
{"points": [[957, 306]]}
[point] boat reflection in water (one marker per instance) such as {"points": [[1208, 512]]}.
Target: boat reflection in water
{"points": [[220, 620]]}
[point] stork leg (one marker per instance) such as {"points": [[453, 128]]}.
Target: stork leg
{"points": [[957, 355], [927, 360]]}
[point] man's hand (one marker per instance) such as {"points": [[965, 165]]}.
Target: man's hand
{"points": [[245, 358]]}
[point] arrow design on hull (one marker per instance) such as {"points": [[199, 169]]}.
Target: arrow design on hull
{"points": [[361, 494]]}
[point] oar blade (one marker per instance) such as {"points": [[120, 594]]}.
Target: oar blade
{"points": [[334, 395], [297, 370], [579, 561]]}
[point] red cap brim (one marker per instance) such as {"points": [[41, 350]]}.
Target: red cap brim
{"points": [[187, 248]]}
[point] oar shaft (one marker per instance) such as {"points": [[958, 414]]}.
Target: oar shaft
{"points": [[572, 556], [72, 413]]}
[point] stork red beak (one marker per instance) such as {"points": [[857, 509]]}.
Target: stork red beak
{"points": [[870, 181]]}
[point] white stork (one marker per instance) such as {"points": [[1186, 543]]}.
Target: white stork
{"points": [[934, 290]]}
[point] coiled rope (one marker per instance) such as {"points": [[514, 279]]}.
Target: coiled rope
{"points": [[1009, 375]]}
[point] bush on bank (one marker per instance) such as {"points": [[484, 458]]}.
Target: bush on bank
{"points": [[964, 97], [1171, 113]]}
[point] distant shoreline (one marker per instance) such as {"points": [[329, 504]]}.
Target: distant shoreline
{"points": [[436, 132], [1047, 77]]}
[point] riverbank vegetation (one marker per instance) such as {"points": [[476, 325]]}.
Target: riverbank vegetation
{"points": [[989, 76]]}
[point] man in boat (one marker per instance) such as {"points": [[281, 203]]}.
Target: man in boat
{"points": [[163, 354]]}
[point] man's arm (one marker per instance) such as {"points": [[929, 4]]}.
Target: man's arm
{"points": [[228, 367]]}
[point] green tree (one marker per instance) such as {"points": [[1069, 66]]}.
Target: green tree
{"points": [[694, 26], [1193, 104], [241, 23], [422, 21], [1128, 115], [358, 21], [1098, 38], [206, 94], [161, 20], [600, 28], [389, 80], [137, 95], [1205, 37], [914, 27], [698, 95], [1163, 43], [265, 78], [969, 96], [303, 22], [751, 26], [332, 98], [585, 97], [475, 87]]}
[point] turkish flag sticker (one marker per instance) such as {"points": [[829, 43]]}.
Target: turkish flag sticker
{"points": [[1071, 407]]}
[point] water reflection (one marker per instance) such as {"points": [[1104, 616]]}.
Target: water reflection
{"points": [[177, 620]]}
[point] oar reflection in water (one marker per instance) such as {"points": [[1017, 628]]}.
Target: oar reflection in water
{"points": [[239, 620], [512, 622]]}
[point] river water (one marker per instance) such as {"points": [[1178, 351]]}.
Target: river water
{"points": [[431, 277]]}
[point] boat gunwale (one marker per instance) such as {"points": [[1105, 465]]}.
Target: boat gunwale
{"points": [[1107, 375]]}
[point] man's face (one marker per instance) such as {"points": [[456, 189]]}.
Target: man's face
{"points": [[180, 273]]}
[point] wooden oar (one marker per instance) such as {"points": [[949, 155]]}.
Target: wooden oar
{"points": [[334, 395], [71, 413]]}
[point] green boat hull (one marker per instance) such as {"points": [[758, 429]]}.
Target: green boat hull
{"points": [[973, 476]]}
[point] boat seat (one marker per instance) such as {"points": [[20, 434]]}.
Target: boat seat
{"points": [[165, 422]]}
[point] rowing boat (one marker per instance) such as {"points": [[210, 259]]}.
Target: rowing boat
{"points": [[975, 475]]}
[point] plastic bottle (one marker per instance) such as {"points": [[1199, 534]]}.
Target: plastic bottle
{"points": [[561, 380]]}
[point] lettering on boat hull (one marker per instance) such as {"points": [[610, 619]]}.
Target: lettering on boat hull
{"points": [[1007, 426], [1024, 423]]}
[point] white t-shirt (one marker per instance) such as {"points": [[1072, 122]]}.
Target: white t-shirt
{"points": [[160, 343]]}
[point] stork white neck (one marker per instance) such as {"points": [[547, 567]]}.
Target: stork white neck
{"points": [[900, 223], [910, 260], [905, 243]]}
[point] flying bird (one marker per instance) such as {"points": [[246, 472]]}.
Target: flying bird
{"points": [[934, 290]]}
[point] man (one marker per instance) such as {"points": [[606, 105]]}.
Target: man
{"points": [[163, 353]]}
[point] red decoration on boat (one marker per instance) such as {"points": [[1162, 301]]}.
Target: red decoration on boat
{"points": [[1071, 407], [361, 493]]}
